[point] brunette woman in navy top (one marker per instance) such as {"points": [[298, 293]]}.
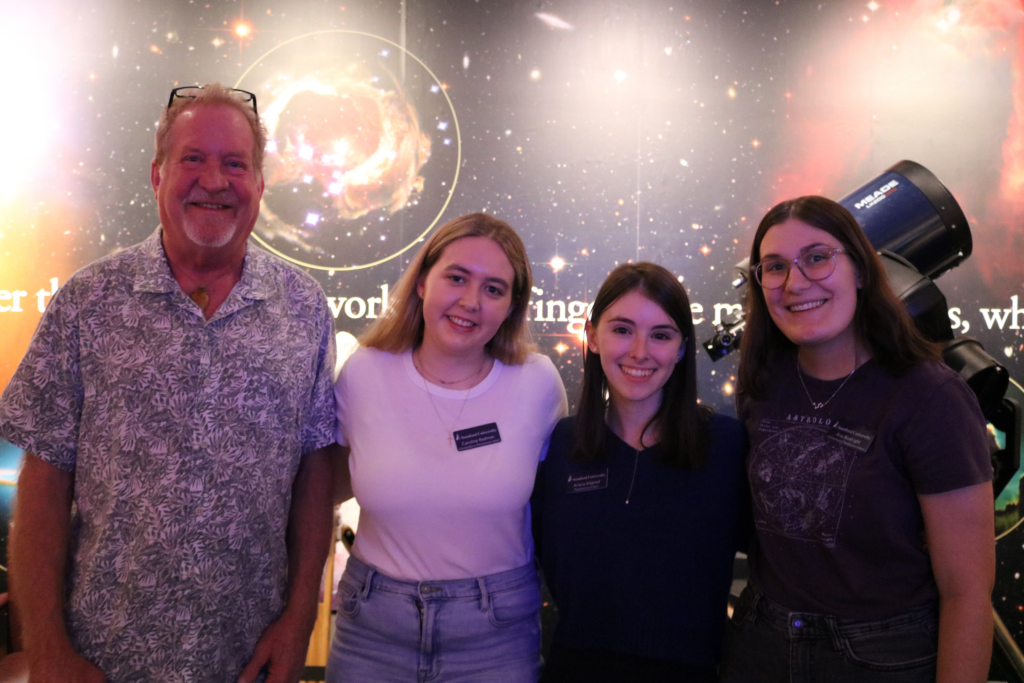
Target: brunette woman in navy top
{"points": [[639, 506]]}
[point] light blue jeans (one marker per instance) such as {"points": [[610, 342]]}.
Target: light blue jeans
{"points": [[478, 630], [766, 643]]}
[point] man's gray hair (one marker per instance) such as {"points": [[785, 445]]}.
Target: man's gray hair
{"points": [[210, 95]]}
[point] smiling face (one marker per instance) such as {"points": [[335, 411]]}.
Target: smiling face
{"points": [[814, 315], [639, 345], [207, 189], [466, 295]]}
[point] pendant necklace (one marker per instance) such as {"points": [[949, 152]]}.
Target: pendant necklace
{"points": [[449, 429], [636, 461], [815, 404], [201, 298]]}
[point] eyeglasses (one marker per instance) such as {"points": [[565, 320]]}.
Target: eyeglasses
{"points": [[817, 264], [190, 92]]}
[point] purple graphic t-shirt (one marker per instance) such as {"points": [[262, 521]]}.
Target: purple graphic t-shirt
{"points": [[801, 479], [839, 526]]}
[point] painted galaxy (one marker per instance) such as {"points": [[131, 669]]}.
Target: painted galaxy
{"points": [[602, 131]]}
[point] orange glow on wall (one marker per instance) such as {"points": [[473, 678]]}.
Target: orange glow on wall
{"points": [[34, 247]]}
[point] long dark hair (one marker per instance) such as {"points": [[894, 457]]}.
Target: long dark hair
{"points": [[880, 321], [680, 421]]}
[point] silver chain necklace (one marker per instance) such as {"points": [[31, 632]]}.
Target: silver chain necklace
{"points": [[636, 461], [815, 404], [449, 429]]}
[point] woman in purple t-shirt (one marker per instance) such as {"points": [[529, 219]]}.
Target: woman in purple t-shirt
{"points": [[869, 473]]}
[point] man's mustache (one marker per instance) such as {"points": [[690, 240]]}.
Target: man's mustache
{"points": [[226, 197]]}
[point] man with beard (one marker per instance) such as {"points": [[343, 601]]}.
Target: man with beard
{"points": [[179, 393]]}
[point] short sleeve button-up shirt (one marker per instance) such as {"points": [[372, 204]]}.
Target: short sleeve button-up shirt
{"points": [[184, 435]]}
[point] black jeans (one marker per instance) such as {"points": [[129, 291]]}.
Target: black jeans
{"points": [[766, 643]]}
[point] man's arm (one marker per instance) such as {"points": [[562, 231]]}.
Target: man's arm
{"points": [[39, 549], [284, 644], [960, 529]]}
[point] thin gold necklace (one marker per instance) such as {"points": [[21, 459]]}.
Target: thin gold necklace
{"points": [[434, 378]]}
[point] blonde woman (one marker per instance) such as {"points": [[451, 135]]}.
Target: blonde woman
{"points": [[443, 415]]}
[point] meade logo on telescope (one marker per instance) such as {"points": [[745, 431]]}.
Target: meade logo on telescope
{"points": [[878, 195]]}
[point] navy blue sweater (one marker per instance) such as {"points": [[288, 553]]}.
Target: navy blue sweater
{"points": [[648, 578]]}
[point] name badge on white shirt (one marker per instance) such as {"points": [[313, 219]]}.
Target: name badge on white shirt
{"points": [[475, 437]]}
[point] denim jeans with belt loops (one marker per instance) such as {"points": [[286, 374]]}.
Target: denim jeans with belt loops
{"points": [[484, 629], [766, 643]]}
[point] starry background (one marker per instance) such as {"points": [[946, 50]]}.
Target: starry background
{"points": [[603, 131]]}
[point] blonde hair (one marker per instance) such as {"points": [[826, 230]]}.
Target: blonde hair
{"points": [[212, 94], [401, 326]]}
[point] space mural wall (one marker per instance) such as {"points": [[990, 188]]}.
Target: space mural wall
{"points": [[603, 131]]}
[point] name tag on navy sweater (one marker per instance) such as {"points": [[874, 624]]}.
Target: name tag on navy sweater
{"points": [[580, 483]]}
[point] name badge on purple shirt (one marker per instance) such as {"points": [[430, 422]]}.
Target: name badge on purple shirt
{"points": [[857, 438]]}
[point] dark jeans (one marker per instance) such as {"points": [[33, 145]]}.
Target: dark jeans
{"points": [[766, 643]]}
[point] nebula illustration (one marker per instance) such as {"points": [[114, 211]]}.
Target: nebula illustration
{"points": [[339, 147]]}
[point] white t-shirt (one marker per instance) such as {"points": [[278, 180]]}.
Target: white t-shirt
{"points": [[427, 510]]}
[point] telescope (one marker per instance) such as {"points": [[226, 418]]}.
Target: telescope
{"points": [[920, 232]]}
